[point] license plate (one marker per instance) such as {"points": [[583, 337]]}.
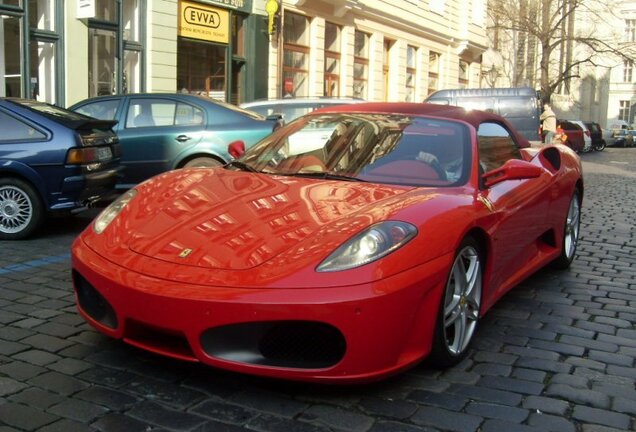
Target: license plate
{"points": [[104, 153]]}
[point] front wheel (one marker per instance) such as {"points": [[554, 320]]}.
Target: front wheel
{"points": [[21, 210], [600, 146], [460, 307], [570, 233], [203, 162]]}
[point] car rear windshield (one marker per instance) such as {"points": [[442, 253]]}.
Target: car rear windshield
{"points": [[55, 113]]}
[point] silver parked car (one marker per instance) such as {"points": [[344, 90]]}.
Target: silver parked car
{"points": [[289, 109]]}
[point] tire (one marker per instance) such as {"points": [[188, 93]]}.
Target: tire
{"points": [[21, 209], [204, 161], [600, 146], [460, 306], [570, 233]]}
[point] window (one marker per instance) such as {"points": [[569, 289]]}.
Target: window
{"points": [[411, 62], [360, 64], [15, 130], [479, 10], [623, 111], [433, 71], [157, 112], [42, 15], [628, 67], [43, 70], [630, 30], [102, 66], [10, 49], [386, 62], [496, 146], [295, 55], [201, 68], [332, 60], [436, 6], [463, 74], [103, 109], [130, 24], [115, 50]]}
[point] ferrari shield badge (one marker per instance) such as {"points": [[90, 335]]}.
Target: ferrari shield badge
{"points": [[184, 253]]}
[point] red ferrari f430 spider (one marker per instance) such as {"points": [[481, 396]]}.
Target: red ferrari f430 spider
{"points": [[347, 246]]}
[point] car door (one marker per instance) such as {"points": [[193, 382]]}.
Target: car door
{"points": [[153, 131], [519, 207]]}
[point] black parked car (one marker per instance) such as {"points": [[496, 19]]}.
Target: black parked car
{"points": [[624, 138], [596, 133], [51, 161]]}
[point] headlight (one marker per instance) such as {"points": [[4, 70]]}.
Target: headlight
{"points": [[110, 213], [369, 245]]}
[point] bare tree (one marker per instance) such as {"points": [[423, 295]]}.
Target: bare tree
{"points": [[550, 43]]}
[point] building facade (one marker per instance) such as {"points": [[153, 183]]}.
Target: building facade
{"points": [[379, 50], [63, 51]]}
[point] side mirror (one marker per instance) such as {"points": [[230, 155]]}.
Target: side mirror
{"points": [[514, 169], [236, 149]]}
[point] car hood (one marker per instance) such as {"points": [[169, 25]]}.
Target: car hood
{"points": [[233, 220]]}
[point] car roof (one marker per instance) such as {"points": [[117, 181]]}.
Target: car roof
{"points": [[472, 117]]}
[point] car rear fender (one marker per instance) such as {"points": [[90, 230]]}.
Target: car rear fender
{"points": [[15, 169]]}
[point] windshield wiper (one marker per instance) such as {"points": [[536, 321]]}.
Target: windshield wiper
{"points": [[326, 176], [242, 166]]}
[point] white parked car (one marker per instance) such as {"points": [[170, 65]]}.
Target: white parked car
{"points": [[291, 108]]}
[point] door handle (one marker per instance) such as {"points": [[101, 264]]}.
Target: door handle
{"points": [[183, 138]]}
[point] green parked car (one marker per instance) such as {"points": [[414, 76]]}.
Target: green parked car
{"points": [[160, 132]]}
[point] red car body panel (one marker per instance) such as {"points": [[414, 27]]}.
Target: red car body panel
{"points": [[256, 240]]}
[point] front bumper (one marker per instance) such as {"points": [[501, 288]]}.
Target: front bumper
{"points": [[342, 334]]}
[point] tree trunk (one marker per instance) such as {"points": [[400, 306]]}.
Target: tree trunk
{"points": [[521, 47]]}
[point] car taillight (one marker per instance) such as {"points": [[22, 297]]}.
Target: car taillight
{"points": [[587, 132], [88, 155]]}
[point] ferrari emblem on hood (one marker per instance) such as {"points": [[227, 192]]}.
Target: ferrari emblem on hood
{"points": [[184, 253]]}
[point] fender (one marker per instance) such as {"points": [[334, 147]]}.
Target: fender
{"points": [[14, 168]]}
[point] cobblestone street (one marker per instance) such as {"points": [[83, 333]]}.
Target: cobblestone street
{"points": [[557, 353]]}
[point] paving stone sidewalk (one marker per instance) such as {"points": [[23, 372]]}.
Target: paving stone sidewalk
{"points": [[556, 354]]}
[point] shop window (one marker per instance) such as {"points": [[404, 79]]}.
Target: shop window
{"points": [[17, 3], [113, 70], [332, 60], [433, 71], [130, 12], [106, 10], [295, 55], [43, 73], [238, 35], [360, 64], [42, 14], [102, 67], [132, 72], [201, 68], [411, 70], [10, 59]]}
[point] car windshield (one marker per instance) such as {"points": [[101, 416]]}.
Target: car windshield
{"points": [[381, 148]]}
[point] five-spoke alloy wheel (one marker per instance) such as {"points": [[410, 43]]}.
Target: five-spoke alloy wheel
{"points": [[460, 306]]}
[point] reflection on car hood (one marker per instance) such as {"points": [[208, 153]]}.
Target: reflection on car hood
{"points": [[231, 220]]}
